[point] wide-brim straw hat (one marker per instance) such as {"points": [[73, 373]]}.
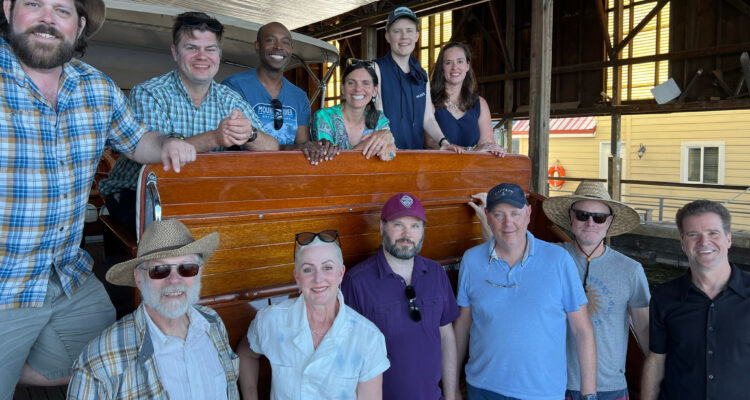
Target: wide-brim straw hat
{"points": [[624, 219], [163, 239]]}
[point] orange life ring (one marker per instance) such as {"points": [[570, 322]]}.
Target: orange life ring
{"points": [[556, 171]]}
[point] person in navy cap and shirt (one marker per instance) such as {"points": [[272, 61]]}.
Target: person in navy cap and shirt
{"points": [[517, 294], [410, 299]]}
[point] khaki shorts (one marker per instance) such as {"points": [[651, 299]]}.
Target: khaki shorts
{"points": [[51, 337]]}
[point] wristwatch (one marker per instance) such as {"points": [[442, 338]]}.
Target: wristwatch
{"points": [[589, 397], [440, 143], [254, 134]]}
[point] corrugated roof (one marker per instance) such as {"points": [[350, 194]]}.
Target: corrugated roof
{"points": [[561, 126]]}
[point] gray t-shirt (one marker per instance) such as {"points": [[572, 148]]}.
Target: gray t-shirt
{"points": [[615, 282]]}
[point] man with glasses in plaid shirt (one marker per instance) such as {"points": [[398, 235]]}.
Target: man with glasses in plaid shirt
{"points": [[517, 295], [410, 299], [188, 104], [169, 347], [58, 114]]}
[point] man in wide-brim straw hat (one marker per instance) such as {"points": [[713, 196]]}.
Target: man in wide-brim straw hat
{"points": [[169, 347], [615, 285]]}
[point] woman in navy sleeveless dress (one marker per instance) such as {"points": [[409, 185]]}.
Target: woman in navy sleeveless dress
{"points": [[463, 116]]}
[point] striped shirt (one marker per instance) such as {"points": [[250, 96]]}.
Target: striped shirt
{"points": [[47, 161], [121, 363], [164, 104]]}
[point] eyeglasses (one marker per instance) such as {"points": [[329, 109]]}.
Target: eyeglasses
{"points": [[163, 271], [583, 216], [305, 238], [511, 286], [411, 295], [278, 114]]}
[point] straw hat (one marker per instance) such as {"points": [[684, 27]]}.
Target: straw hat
{"points": [[558, 208], [163, 239]]}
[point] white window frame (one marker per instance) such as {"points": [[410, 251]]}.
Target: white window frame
{"points": [[604, 152], [684, 160]]}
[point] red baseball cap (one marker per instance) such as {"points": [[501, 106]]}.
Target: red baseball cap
{"points": [[402, 205]]}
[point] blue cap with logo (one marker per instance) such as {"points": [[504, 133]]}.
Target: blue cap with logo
{"points": [[506, 193], [401, 12]]}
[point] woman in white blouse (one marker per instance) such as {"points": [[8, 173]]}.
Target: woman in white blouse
{"points": [[317, 346]]}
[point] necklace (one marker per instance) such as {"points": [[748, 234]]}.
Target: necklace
{"points": [[588, 263], [451, 105]]}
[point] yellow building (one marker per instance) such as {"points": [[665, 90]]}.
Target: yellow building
{"points": [[711, 147]]}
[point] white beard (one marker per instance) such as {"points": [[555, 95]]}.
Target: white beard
{"points": [[170, 308]]}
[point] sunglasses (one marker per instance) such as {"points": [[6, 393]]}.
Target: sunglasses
{"points": [[163, 271], [411, 295], [583, 216], [305, 238], [278, 114], [355, 62]]}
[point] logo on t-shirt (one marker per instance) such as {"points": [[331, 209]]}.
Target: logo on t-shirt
{"points": [[288, 131]]}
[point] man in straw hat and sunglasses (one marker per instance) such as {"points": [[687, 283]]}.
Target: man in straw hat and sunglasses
{"points": [[616, 286], [169, 347], [410, 299], [58, 114]]}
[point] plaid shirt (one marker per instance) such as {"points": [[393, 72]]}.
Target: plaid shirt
{"points": [[120, 364], [165, 105], [47, 161]]}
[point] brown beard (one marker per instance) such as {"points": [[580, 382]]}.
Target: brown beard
{"points": [[36, 55]]}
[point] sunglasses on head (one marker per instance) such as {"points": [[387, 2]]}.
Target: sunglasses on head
{"points": [[163, 271], [355, 62], [411, 295], [305, 238], [583, 216], [278, 114]]}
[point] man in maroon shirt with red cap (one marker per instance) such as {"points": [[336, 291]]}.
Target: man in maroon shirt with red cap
{"points": [[410, 299]]}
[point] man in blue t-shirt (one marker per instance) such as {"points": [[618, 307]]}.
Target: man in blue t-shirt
{"points": [[404, 92], [281, 106], [526, 292]]}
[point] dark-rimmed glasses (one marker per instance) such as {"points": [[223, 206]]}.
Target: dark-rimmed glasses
{"points": [[305, 238], [278, 114], [411, 296], [163, 271], [583, 216]]}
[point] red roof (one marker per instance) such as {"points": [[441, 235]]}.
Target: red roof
{"points": [[560, 126]]}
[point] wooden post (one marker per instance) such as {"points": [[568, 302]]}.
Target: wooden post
{"points": [[510, 46], [614, 172], [369, 43], [540, 76]]}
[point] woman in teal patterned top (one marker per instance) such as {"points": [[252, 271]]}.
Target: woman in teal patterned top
{"points": [[355, 123]]}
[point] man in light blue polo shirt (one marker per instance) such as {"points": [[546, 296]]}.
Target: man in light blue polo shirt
{"points": [[515, 294]]}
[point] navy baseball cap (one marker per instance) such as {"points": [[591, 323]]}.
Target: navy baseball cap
{"points": [[506, 193], [401, 12]]}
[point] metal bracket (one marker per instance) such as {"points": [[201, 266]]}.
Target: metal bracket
{"points": [[321, 84], [153, 201]]}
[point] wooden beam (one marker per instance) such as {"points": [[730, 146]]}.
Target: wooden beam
{"points": [[539, 93], [369, 43], [508, 86], [508, 62], [614, 162], [619, 46], [741, 6], [597, 65], [603, 24]]}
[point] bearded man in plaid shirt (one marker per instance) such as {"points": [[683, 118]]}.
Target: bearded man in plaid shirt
{"points": [[58, 113]]}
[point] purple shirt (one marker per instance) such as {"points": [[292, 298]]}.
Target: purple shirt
{"points": [[375, 291]]}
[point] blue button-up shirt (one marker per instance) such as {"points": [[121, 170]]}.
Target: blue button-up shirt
{"points": [[48, 157]]}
